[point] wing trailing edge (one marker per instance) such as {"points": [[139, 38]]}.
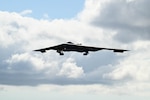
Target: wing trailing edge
{"points": [[119, 51], [41, 50]]}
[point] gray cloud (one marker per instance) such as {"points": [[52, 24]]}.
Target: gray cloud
{"points": [[27, 69], [99, 59], [129, 18]]}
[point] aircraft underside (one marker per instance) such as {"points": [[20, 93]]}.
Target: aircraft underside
{"points": [[61, 52]]}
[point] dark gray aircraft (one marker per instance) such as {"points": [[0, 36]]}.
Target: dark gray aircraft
{"points": [[69, 46]]}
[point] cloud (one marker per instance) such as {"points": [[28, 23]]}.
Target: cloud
{"points": [[129, 18], [70, 69], [25, 12], [134, 67], [101, 72]]}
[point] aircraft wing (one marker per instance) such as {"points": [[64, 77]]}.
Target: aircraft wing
{"points": [[43, 50], [57, 47], [88, 48]]}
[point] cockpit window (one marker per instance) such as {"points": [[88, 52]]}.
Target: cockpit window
{"points": [[69, 42]]}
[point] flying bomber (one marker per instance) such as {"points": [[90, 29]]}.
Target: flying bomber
{"points": [[69, 46]]}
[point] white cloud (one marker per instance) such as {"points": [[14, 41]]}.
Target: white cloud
{"points": [[70, 69], [91, 10], [38, 63], [135, 66], [25, 12]]}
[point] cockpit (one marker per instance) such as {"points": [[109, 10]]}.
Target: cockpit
{"points": [[70, 43]]}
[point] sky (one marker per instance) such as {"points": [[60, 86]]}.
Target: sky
{"points": [[44, 9], [29, 25]]}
